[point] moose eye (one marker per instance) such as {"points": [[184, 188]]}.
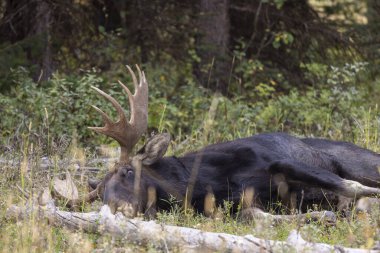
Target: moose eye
{"points": [[129, 173], [126, 172]]}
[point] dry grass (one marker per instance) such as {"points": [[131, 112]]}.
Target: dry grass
{"points": [[22, 167]]}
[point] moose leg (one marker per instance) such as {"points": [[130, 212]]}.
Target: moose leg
{"points": [[307, 175]]}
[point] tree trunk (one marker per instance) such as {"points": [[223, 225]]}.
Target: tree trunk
{"points": [[373, 12], [29, 24], [15, 20], [215, 64], [41, 29], [370, 37]]}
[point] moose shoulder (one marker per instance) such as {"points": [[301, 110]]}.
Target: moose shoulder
{"points": [[272, 167]]}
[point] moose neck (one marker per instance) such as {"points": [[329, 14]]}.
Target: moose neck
{"points": [[170, 176]]}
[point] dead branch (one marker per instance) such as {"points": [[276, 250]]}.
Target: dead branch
{"points": [[161, 235]]}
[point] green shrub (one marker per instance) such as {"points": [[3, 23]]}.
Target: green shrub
{"points": [[60, 109], [53, 110]]}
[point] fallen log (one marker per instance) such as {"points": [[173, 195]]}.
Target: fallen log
{"points": [[163, 236]]}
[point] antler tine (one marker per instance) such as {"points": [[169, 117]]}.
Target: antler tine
{"points": [[127, 133], [141, 99], [130, 97], [106, 119], [113, 101], [135, 84], [140, 77]]}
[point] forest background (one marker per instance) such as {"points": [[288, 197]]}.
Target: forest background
{"points": [[217, 70], [307, 67]]}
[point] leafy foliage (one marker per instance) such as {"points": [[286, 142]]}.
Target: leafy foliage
{"points": [[305, 67], [61, 108]]}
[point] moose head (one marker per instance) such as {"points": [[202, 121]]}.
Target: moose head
{"points": [[124, 189]]}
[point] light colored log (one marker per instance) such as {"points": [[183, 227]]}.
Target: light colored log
{"points": [[66, 188], [167, 237]]}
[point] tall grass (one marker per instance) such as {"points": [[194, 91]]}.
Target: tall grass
{"points": [[209, 118], [22, 167]]}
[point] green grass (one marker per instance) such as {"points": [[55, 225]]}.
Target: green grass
{"points": [[38, 236]]}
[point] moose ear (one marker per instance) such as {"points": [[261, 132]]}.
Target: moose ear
{"points": [[154, 149]]}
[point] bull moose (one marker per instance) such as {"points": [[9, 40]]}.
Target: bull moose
{"points": [[312, 171]]}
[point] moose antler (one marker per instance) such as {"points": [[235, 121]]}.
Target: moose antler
{"points": [[127, 133]]}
